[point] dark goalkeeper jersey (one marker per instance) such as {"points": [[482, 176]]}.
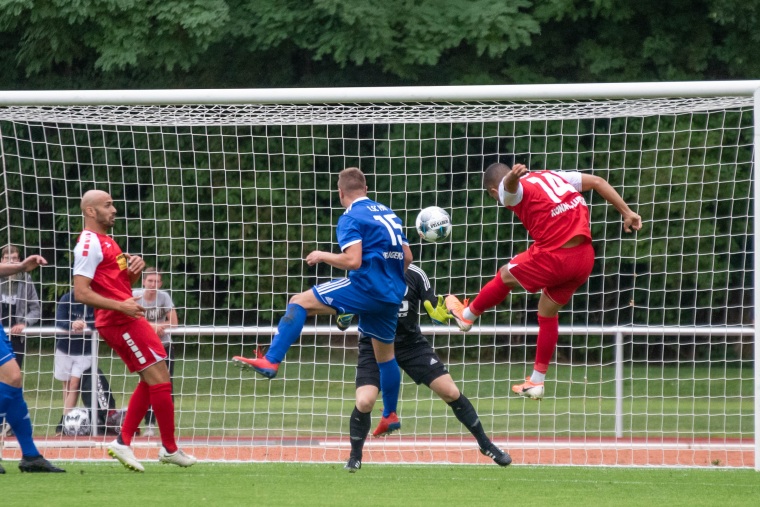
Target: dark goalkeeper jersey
{"points": [[418, 289]]}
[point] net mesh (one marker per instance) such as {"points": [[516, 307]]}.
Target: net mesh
{"points": [[227, 200]]}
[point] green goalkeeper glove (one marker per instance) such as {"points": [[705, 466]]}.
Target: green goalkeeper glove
{"points": [[439, 314]]}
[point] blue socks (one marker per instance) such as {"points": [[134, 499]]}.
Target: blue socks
{"points": [[390, 382], [288, 331], [14, 407]]}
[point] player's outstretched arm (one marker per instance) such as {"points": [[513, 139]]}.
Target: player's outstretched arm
{"points": [[28, 264], [512, 179], [631, 220]]}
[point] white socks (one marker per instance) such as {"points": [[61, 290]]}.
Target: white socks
{"points": [[467, 314], [537, 377]]}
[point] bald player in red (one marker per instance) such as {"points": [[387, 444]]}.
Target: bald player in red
{"points": [[559, 261], [103, 278]]}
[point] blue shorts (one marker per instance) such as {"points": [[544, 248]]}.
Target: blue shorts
{"points": [[377, 319], [6, 349]]}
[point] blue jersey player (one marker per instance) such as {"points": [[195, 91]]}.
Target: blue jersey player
{"points": [[375, 253], [12, 404]]}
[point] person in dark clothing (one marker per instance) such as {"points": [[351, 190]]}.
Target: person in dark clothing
{"points": [[73, 351], [418, 360]]}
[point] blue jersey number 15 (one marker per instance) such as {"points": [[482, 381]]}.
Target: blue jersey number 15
{"points": [[391, 222]]}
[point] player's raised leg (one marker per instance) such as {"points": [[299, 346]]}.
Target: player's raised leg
{"points": [[492, 293], [288, 331]]}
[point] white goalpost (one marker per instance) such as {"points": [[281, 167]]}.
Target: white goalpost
{"points": [[226, 191]]}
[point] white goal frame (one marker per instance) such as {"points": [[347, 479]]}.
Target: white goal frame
{"points": [[750, 88]]}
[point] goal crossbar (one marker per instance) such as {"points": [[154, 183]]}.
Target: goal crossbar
{"points": [[381, 94]]}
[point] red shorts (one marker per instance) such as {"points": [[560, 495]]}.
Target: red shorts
{"points": [[136, 342], [558, 272]]}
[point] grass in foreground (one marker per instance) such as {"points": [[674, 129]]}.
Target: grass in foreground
{"points": [[106, 483]]}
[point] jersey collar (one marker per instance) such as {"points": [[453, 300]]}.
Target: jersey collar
{"points": [[357, 200]]}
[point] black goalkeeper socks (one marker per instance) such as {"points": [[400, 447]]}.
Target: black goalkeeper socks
{"points": [[465, 412], [359, 429]]}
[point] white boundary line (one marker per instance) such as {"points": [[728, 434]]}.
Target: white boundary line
{"points": [[439, 444]]}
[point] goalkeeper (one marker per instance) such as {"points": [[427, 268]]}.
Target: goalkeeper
{"points": [[418, 359]]}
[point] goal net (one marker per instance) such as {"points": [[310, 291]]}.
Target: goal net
{"points": [[655, 361]]}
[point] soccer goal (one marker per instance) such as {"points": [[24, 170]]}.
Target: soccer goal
{"points": [[226, 191]]}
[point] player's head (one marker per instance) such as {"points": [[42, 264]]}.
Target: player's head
{"points": [[98, 210], [351, 185], [10, 254], [492, 177], [151, 279]]}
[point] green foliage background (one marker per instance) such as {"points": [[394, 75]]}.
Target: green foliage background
{"points": [[284, 43]]}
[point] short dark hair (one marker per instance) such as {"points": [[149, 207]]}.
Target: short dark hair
{"points": [[493, 175]]}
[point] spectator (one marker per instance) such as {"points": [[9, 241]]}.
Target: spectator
{"points": [[161, 314], [73, 351], [19, 303], [19, 307]]}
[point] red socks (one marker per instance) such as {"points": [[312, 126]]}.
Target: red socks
{"points": [[163, 407], [548, 334], [139, 403], [158, 396], [492, 293]]}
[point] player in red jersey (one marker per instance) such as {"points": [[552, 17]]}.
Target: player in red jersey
{"points": [[103, 278], [551, 208]]}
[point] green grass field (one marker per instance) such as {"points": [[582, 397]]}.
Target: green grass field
{"points": [[109, 484]]}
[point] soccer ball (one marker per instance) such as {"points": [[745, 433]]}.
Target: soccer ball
{"points": [[433, 224], [77, 422]]}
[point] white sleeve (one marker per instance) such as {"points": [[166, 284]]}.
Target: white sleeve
{"points": [[88, 254], [573, 177], [508, 199]]}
